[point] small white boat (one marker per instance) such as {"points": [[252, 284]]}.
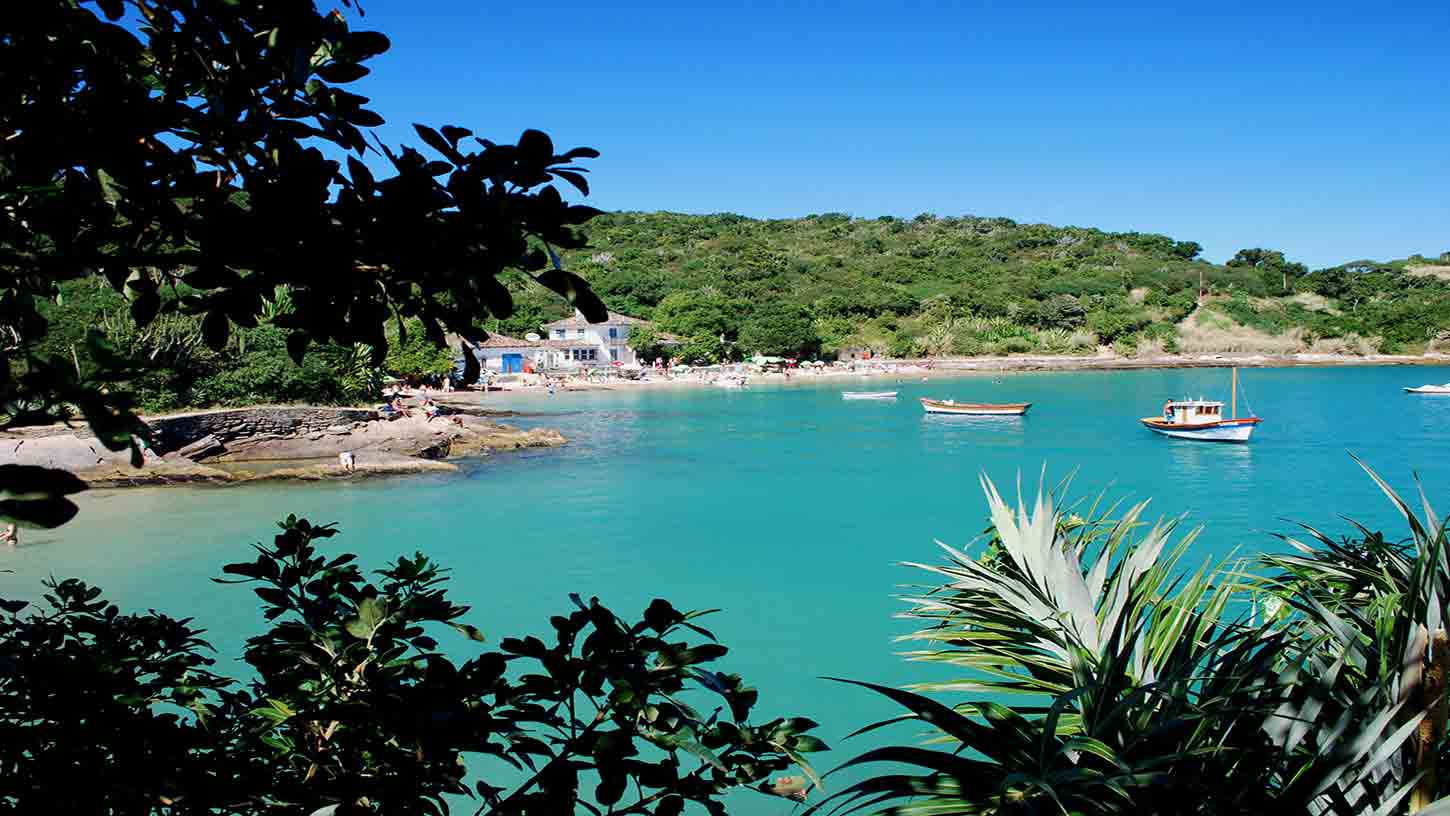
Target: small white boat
{"points": [[1430, 389], [974, 408], [877, 395], [1203, 420]]}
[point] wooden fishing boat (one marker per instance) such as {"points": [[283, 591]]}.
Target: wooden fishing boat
{"points": [[974, 408], [1443, 390], [1203, 420], [876, 395]]}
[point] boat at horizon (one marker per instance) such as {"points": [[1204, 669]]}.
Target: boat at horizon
{"points": [[868, 395], [932, 406], [1443, 390], [1202, 420]]}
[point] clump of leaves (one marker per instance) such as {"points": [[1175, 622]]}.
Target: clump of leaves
{"points": [[352, 705], [1103, 676]]}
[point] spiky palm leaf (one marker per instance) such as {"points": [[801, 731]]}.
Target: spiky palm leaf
{"points": [[1136, 687], [1365, 615]]}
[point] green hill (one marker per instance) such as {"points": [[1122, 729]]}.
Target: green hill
{"points": [[928, 286], [970, 285]]}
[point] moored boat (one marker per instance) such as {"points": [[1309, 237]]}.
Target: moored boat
{"points": [[1443, 390], [868, 395], [1203, 419], [974, 408]]}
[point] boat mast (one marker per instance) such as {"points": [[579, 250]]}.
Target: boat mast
{"points": [[1234, 400]]}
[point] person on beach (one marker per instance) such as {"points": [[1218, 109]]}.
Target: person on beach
{"points": [[348, 461], [10, 536]]}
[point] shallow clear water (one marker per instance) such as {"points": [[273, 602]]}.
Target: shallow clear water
{"points": [[785, 506]]}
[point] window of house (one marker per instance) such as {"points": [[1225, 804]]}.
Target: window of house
{"points": [[614, 352], [558, 334], [613, 333], [578, 332]]}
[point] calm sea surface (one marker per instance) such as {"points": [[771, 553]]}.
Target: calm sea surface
{"points": [[784, 506]]}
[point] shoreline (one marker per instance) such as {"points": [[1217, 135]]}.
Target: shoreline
{"points": [[261, 451], [964, 366]]}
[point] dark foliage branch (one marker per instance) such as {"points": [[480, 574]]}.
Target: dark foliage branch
{"points": [[199, 155], [353, 705]]}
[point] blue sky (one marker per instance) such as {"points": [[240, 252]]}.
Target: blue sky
{"points": [[1319, 129]]}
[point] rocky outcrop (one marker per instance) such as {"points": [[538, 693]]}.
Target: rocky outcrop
{"points": [[238, 427], [273, 443]]}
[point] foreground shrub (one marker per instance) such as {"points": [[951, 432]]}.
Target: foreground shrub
{"points": [[350, 706], [1100, 674]]}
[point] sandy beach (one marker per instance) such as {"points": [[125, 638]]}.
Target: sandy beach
{"points": [[916, 369]]}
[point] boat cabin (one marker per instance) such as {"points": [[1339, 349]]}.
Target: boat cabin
{"points": [[1192, 412]]}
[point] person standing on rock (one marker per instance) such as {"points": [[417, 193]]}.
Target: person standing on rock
{"points": [[348, 461], [10, 536]]}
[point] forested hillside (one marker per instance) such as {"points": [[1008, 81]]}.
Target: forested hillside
{"points": [[928, 286], [934, 286]]}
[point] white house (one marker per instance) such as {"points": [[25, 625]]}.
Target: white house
{"points": [[576, 343]]}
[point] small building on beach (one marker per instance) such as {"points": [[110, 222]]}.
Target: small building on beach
{"points": [[510, 355]]}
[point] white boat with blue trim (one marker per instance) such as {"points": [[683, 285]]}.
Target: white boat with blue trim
{"points": [[1203, 419], [1443, 390]]}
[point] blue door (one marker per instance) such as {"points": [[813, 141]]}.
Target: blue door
{"points": [[513, 363]]}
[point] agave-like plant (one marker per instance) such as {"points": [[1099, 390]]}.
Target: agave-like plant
{"points": [[1104, 677], [1369, 623]]}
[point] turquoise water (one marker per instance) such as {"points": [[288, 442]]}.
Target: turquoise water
{"points": [[784, 506]]}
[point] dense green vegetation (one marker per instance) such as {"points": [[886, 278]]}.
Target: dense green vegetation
{"points": [[177, 368], [970, 286], [730, 287], [349, 705]]}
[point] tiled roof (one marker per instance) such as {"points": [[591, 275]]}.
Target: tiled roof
{"points": [[576, 321]]}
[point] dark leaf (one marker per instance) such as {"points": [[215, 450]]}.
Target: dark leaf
{"points": [[31, 481], [361, 45], [342, 72], [432, 138], [472, 632], [575, 178], [145, 306], [215, 328], [297, 343], [52, 512], [577, 292], [453, 134]]}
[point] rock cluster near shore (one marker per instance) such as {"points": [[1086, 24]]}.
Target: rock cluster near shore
{"points": [[272, 443]]}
